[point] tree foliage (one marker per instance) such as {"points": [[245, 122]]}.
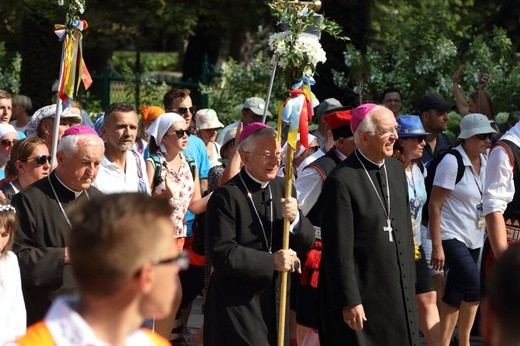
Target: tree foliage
{"points": [[417, 46]]}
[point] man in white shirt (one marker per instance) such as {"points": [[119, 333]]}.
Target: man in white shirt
{"points": [[500, 199], [122, 169]]}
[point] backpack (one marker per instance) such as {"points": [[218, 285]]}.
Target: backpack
{"points": [[431, 168], [157, 179]]}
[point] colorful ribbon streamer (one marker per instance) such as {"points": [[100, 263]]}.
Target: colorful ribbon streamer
{"points": [[297, 111], [72, 63]]}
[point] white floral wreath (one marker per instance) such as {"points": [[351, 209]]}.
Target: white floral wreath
{"points": [[7, 207]]}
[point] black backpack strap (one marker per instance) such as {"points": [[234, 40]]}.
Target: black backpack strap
{"points": [[156, 160], [460, 165]]}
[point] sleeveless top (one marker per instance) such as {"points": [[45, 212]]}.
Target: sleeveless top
{"points": [[184, 188]]}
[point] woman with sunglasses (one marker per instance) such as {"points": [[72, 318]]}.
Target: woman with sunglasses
{"points": [[30, 161], [409, 149], [8, 137], [456, 226], [175, 181]]}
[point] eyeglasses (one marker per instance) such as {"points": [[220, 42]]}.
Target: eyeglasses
{"points": [[484, 136], [180, 133], [184, 110], [181, 260], [268, 157], [8, 142], [389, 130], [417, 139], [40, 159], [315, 148]]}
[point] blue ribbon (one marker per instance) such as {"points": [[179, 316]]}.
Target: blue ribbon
{"points": [[305, 80]]}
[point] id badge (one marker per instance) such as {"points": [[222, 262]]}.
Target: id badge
{"points": [[481, 221], [141, 187], [414, 207]]}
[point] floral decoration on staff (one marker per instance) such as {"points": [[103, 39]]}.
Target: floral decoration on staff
{"points": [[297, 51]]}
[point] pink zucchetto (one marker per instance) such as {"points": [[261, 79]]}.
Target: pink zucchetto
{"points": [[79, 130], [360, 113], [251, 128]]}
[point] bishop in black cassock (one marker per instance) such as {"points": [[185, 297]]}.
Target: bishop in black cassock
{"points": [[41, 237], [241, 303], [367, 267]]}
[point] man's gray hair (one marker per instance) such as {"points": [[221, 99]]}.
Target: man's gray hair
{"points": [[248, 145], [367, 125], [69, 145]]}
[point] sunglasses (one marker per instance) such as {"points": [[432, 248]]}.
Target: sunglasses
{"points": [[8, 142], [41, 159], [184, 110], [417, 139], [181, 133], [485, 136]]}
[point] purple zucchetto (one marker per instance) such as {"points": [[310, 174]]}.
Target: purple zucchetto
{"points": [[79, 130]]}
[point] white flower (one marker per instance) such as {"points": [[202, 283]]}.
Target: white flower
{"points": [[60, 2]]}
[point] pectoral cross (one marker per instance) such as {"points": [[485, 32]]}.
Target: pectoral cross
{"points": [[389, 229]]}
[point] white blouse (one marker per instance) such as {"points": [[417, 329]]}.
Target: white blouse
{"points": [[12, 306]]}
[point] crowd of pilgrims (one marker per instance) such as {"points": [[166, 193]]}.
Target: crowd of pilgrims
{"points": [[174, 151]]}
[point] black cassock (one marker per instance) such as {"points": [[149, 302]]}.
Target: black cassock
{"points": [[360, 265], [39, 243], [241, 303]]}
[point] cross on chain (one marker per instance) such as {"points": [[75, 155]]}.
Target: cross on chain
{"points": [[388, 228]]}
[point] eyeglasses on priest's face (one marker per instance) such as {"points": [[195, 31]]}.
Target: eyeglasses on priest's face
{"points": [[40, 159], [8, 142], [267, 157], [384, 131]]}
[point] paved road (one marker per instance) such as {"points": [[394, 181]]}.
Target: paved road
{"points": [[196, 319]]}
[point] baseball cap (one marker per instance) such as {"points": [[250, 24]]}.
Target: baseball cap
{"points": [[434, 101], [256, 105], [326, 106]]}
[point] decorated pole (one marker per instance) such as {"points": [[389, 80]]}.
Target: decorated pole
{"points": [[296, 52], [297, 111], [71, 63]]}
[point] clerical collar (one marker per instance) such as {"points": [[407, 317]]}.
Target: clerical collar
{"points": [[339, 154], [263, 185], [76, 193], [379, 165]]}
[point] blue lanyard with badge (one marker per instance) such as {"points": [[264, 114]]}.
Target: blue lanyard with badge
{"points": [[141, 185]]}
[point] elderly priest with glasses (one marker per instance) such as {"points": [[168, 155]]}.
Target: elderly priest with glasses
{"points": [[244, 240], [367, 272], [40, 240]]}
